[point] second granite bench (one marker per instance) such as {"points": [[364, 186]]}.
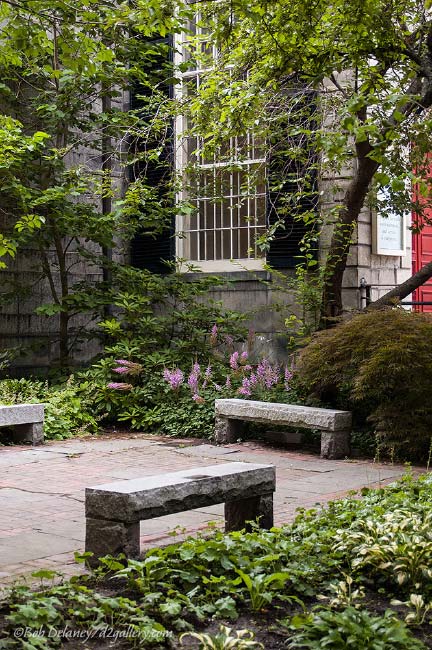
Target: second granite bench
{"points": [[335, 426], [114, 510]]}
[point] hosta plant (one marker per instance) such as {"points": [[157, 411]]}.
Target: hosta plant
{"points": [[351, 629], [396, 545], [226, 639], [263, 588], [344, 594], [419, 609]]}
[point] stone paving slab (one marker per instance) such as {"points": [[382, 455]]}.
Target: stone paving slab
{"points": [[42, 491]]}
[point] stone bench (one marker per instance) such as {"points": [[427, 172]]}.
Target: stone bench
{"points": [[26, 420], [335, 426], [114, 510]]}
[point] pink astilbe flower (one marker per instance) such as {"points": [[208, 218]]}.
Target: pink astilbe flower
{"points": [[121, 370], [245, 388], [193, 379], [198, 399], [208, 372], [214, 335], [228, 383], [175, 378], [128, 367], [229, 340], [267, 374], [119, 386], [243, 358], [234, 359]]}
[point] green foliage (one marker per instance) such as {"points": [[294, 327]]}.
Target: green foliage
{"points": [[91, 613], [397, 546], [352, 628], [379, 365], [170, 323], [166, 315], [16, 150], [184, 586], [68, 410], [64, 70], [262, 587], [164, 321], [362, 65]]}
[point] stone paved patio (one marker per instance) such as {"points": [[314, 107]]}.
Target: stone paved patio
{"points": [[42, 490]]}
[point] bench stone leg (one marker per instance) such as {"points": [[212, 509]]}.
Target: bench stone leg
{"points": [[28, 433], [228, 430], [111, 538], [335, 445], [237, 513]]}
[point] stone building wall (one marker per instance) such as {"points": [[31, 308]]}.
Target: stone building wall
{"points": [[37, 335], [256, 292]]}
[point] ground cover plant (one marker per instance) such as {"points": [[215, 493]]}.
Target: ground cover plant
{"points": [[352, 575]]}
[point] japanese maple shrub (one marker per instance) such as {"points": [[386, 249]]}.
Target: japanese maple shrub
{"points": [[379, 365]]}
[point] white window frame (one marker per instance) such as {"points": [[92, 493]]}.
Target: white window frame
{"points": [[181, 161]]}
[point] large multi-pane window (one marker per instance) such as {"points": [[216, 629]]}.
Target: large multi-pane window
{"points": [[227, 189]]}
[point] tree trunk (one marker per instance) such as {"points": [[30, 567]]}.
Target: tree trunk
{"points": [[331, 305], [403, 290], [64, 340], [64, 291], [107, 154]]}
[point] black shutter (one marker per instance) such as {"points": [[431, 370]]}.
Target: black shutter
{"points": [[286, 203], [152, 251]]}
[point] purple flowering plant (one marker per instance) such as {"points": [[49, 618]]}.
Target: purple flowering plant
{"points": [[230, 373], [233, 375]]}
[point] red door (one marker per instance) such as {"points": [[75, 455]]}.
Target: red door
{"points": [[422, 254]]}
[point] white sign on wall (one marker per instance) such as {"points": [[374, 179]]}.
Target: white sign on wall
{"points": [[389, 235], [389, 232]]}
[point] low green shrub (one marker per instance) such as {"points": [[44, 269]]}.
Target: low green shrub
{"points": [[379, 365], [68, 411]]}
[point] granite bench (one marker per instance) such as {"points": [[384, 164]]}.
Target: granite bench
{"points": [[26, 421], [335, 426], [114, 511]]}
